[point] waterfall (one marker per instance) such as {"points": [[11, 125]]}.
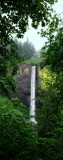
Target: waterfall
{"points": [[32, 97]]}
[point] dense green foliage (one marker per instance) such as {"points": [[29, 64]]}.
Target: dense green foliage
{"points": [[8, 68], [50, 115], [23, 51], [26, 50], [17, 138], [15, 14], [54, 52], [34, 60]]}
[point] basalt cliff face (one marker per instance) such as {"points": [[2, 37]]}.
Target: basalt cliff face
{"points": [[23, 85], [23, 91]]}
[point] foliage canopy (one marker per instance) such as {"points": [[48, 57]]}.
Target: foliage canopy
{"points": [[14, 15]]}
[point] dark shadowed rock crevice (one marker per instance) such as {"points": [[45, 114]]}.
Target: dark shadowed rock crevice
{"points": [[38, 103]]}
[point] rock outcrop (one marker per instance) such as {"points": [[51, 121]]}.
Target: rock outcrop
{"points": [[23, 86]]}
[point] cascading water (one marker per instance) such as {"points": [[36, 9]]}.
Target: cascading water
{"points": [[32, 97]]}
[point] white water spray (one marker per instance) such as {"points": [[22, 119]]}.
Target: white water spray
{"points": [[32, 97]]}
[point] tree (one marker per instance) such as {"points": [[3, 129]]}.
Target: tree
{"points": [[19, 49], [8, 68], [14, 16], [18, 139], [50, 117], [28, 50], [53, 54]]}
